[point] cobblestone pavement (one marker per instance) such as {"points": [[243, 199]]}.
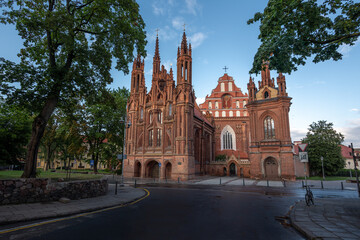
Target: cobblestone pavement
{"points": [[328, 218]]}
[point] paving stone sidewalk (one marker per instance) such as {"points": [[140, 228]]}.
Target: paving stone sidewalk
{"points": [[332, 218], [34, 211]]}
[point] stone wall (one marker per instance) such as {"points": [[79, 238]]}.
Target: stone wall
{"points": [[29, 190]]}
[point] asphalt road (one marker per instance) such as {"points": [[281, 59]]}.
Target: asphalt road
{"points": [[206, 212]]}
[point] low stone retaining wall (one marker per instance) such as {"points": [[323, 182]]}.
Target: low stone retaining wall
{"points": [[29, 190]]}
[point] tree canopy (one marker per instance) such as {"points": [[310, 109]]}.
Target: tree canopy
{"points": [[324, 141], [291, 31], [15, 130], [69, 48]]}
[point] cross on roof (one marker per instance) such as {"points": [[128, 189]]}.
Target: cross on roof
{"points": [[225, 68], [184, 26], [157, 32]]}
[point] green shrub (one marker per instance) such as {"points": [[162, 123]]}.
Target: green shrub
{"points": [[220, 158]]}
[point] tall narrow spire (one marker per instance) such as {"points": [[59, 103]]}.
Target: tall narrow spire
{"points": [[156, 60], [184, 47], [157, 55]]}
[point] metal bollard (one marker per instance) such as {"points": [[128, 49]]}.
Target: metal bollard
{"points": [[302, 184], [322, 185], [243, 181], [220, 181], [267, 182], [135, 183], [178, 179], [116, 187], [342, 186], [284, 183]]}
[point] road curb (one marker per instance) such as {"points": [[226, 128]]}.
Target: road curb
{"points": [[73, 212], [308, 235]]}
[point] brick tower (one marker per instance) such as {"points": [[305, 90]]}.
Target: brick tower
{"points": [[270, 151]]}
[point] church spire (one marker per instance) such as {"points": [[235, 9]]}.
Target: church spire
{"points": [[156, 60], [184, 47]]}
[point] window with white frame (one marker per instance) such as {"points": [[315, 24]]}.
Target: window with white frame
{"points": [[223, 114], [238, 113], [216, 105], [230, 86], [237, 104], [222, 86], [231, 114], [244, 104], [228, 138], [210, 105], [216, 114]]}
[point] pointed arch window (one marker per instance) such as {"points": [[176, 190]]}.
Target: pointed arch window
{"points": [[170, 109], [228, 140], [151, 137], [269, 128], [141, 113], [266, 94], [158, 137]]}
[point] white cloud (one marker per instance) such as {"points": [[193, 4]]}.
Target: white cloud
{"points": [[355, 110], [165, 33], [197, 39], [158, 10], [298, 133], [351, 132], [200, 100], [178, 23], [192, 6], [345, 49]]}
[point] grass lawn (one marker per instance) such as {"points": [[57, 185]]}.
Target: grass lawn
{"points": [[332, 178], [52, 175]]}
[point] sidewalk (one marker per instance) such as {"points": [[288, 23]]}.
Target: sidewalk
{"points": [[34, 211], [328, 218]]}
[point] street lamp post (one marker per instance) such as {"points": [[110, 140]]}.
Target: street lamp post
{"points": [[322, 166], [350, 169], [126, 125], [357, 177]]}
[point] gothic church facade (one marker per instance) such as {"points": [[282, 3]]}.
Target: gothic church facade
{"points": [[231, 133]]}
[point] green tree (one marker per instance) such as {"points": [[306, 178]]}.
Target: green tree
{"points": [[68, 51], [15, 130], [324, 141], [71, 143], [50, 140], [293, 30], [99, 122]]}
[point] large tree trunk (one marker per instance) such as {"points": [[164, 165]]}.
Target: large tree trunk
{"points": [[96, 163], [38, 129]]}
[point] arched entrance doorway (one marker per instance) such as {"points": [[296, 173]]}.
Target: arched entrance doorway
{"points": [[137, 169], [232, 169], [271, 168], [152, 169], [168, 171]]}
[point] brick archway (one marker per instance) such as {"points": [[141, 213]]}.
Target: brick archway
{"points": [[152, 169], [168, 170], [137, 169]]}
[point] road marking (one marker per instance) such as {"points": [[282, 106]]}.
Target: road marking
{"points": [[75, 216]]}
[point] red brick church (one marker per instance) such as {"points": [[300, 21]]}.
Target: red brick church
{"points": [[231, 133]]}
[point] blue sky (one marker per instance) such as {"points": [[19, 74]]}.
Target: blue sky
{"points": [[220, 37]]}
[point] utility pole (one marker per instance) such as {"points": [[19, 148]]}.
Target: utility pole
{"points": [[322, 166], [356, 173]]}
